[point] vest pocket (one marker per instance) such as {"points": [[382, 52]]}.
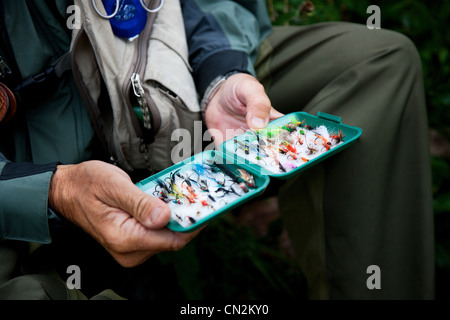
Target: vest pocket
{"points": [[167, 68]]}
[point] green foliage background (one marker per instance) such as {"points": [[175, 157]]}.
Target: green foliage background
{"points": [[423, 22]]}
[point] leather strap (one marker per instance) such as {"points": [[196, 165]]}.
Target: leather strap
{"points": [[8, 104]]}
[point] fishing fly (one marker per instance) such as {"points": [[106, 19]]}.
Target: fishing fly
{"points": [[288, 146], [191, 195]]}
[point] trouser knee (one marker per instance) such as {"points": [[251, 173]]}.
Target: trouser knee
{"points": [[33, 287]]}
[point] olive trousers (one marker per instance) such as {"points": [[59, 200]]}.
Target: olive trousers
{"points": [[362, 221]]}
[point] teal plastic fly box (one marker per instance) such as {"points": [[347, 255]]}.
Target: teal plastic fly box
{"points": [[212, 183]]}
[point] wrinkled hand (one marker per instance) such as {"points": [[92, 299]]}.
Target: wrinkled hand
{"points": [[240, 103], [102, 200]]}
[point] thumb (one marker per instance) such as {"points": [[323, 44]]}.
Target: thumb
{"points": [[258, 111], [258, 105], [151, 212], [275, 114]]}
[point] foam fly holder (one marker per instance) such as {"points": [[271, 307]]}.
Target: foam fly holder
{"points": [[233, 160]]}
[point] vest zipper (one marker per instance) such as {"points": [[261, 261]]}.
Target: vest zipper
{"points": [[139, 92], [133, 84]]}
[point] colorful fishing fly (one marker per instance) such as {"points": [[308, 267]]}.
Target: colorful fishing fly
{"points": [[247, 177], [244, 145], [191, 195], [338, 137], [288, 146], [324, 142]]}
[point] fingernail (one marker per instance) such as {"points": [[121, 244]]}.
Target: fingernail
{"points": [[155, 216], [259, 123]]}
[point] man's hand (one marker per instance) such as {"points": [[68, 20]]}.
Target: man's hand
{"points": [[240, 103], [102, 199]]}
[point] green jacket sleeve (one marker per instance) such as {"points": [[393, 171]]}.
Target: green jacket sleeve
{"points": [[223, 36], [24, 213]]}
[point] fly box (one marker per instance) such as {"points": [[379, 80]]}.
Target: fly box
{"points": [[214, 182]]}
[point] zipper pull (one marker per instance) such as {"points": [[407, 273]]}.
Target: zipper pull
{"points": [[4, 69], [140, 95], [139, 92], [138, 89]]}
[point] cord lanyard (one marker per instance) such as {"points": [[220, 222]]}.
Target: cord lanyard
{"points": [[127, 17], [119, 4]]}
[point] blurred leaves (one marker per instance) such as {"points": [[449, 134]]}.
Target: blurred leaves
{"points": [[424, 22], [229, 262]]}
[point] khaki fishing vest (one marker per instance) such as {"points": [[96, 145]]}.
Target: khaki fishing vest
{"points": [[153, 70]]}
